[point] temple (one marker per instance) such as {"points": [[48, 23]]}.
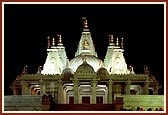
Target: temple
{"points": [[86, 79]]}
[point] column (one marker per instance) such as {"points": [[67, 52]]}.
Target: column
{"points": [[59, 91], [56, 92], [41, 87], [146, 87], [25, 88], [14, 90], [94, 83], [127, 87], [76, 96], [47, 87], [110, 91]]}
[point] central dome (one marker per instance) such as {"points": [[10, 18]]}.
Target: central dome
{"points": [[92, 60]]}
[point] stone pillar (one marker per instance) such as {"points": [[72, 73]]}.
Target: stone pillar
{"points": [[76, 96], [15, 90], [146, 87], [47, 87], [56, 92], [25, 88], [59, 91], [127, 87], [42, 87], [30, 89], [110, 91], [94, 83]]}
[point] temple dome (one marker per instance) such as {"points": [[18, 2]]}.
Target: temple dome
{"points": [[92, 60], [85, 68], [67, 71], [102, 71]]}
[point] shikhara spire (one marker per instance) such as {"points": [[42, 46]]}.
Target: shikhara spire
{"points": [[86, 45]]}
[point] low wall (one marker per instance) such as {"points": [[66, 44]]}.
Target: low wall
{"points": [[22, 103], [144, 101]]}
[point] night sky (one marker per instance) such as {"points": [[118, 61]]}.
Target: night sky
{"points": [[26, 29]]}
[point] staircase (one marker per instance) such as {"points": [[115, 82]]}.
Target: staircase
{"points": [[84, 107]]}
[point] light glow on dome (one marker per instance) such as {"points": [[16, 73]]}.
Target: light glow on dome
{"points": [[93, 61]]}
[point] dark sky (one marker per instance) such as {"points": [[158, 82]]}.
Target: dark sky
{"points": [[26, 29]]}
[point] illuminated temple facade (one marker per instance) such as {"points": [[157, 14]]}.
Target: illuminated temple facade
{"points": [[85, 78]]}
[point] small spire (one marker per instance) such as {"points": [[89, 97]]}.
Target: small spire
{"points": [[145, 68], [117, 42], [130, 68], [25, 69], [122, 39], [39, 69], [146, 71], [59, 39], [53, 41], [100, 63], [85, 24], [48, 39]]}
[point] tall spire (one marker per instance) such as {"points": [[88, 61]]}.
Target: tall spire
{"points": [[122, 40], [86, 45], [85, 24], [48, 39]]}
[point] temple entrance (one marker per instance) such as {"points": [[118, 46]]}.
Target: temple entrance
{"points": [[71, 100], [99, 100], [86, 100]]}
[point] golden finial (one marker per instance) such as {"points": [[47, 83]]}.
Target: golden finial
{"points": [[85, 23], [110, 38], [53, 41], [122, 39], [59, 39], [48, 39], [85, 44], [117, 41]]}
